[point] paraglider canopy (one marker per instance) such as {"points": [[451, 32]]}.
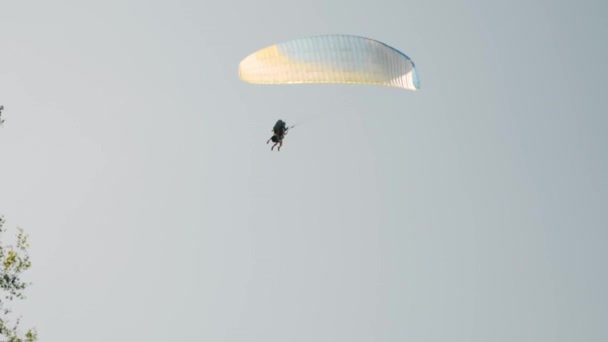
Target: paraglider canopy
{"points": [[330, 59]]}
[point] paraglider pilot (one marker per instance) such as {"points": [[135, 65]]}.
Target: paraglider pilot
{"points": [[279, 131]]}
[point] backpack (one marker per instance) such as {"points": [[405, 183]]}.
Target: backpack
{"points": [[279, 127]]}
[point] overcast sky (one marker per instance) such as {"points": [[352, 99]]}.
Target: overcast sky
{"points": [[472, 210]]}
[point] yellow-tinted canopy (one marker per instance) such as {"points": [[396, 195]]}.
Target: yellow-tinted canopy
{"points": [[330, 59]]}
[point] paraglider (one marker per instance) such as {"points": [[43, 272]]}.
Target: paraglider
{"points": [[330, 59], [341, 59]]}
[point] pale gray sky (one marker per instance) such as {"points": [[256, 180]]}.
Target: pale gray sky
{"points": [[472, 210]]}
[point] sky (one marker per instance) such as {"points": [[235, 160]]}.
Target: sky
{"points": [[474, 209]]}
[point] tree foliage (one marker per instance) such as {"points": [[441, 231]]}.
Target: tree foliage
{"points": [[15, 261]]}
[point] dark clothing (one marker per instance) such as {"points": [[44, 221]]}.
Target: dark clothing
{"points": [[280, 128]]}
